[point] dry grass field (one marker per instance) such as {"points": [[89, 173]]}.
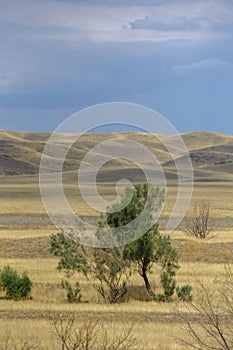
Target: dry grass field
{"points": [[25, 231]]}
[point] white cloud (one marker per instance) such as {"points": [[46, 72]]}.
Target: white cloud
{"points": [[73, 22], [211, 64]]}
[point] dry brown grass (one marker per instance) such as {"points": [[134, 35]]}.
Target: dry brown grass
{"points": [[151, 335], [25, 247], [155, 324], [24, 198]]}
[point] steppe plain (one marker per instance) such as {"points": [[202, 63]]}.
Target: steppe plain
{"points": [[25, 229]]}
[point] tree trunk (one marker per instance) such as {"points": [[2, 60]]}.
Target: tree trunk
{"points": [[147, 283]]}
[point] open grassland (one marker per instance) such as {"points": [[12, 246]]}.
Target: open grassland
{"points": [[155, 335], [156, 325], [22, 197], [24, 239], [25, 230]]}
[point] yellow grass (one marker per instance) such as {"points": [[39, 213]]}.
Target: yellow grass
{"points": [[26, 233], [25, 199], [153, 335], [155, 324]]}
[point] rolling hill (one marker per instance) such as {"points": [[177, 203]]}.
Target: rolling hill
{"points": [[211, 154]]}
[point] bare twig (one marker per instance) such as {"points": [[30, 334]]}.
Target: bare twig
{"points": [[212, 326], [198, 223], [90, 335]]}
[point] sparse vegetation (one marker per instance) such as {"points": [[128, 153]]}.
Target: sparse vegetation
{"points": [[8, 342], [213, 326], [25, 231], [73, 335]]}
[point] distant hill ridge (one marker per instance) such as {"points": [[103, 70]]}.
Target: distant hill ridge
{"points": [[20, 152]]}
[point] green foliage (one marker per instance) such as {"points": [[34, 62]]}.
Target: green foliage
{"points": [[73, 293], [151, 247], [169, 284], [16, 287], [110, 269], [112, 273], [184, 293], [106, 268], [72, 255], [141, 202]]}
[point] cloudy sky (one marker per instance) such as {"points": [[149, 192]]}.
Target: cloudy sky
{"points": [[58, 56]]}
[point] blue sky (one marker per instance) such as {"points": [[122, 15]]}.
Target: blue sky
{"points": [[58, 56]]}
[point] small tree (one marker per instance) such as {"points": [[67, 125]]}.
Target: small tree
{"points": [[198, 223], [112, 267], [106, 268], [151, 248], [16, 287]]}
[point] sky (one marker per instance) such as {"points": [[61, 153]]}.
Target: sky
{"points": [[59, 56]]}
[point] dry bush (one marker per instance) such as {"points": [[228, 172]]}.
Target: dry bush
{"points": [[8, 342], [209, 322], [73, 334], [198, 223]]}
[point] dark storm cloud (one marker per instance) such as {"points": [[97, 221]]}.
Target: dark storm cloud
{"points": [[58, 56]]}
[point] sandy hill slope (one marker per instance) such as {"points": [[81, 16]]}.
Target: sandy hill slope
{"points": [[211, 154]]}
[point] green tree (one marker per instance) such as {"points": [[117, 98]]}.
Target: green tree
{"points": [[112, 267], [151, 247]]}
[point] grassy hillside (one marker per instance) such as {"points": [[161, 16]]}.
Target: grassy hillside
{"points": [[20, 153]]}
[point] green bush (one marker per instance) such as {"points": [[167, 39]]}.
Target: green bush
{"points": [[73, 294], [184, 293], [16, 287], [169, 284]]}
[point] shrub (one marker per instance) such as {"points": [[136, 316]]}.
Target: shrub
{"points": [[169, 284], [212, 327], [16, 287], [107, 268], [74, 334], [73, 294], [23, 342], [184, 293]]}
